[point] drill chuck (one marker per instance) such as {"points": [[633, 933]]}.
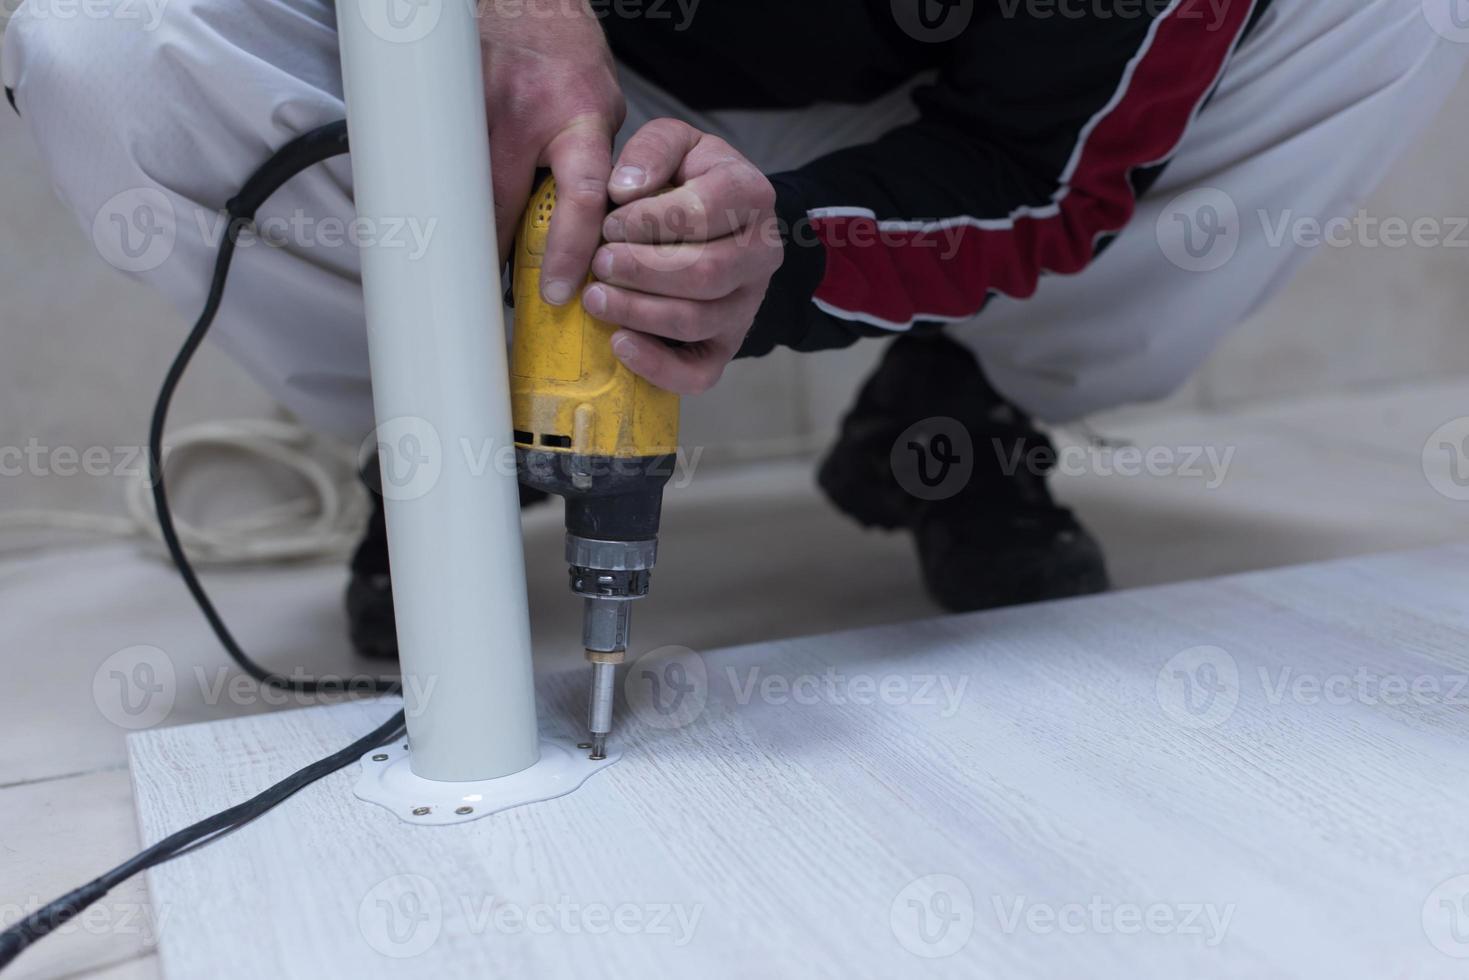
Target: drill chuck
{"points": [[608, 575]]}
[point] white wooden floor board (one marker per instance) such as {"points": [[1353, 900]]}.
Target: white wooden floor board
{"points": [[1308, 835]]}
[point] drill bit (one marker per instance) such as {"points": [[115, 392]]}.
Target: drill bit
{"points": [[599, 712]]}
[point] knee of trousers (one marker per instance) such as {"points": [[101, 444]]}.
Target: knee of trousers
{"points": [[97, 86], [179, 96]]}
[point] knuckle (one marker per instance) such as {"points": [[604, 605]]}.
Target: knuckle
{"points": [[684, 323], [754, 190], [706, 376], [516, 105], [774, 256], [582, 191], [695, 203], [659, 138], [717, 146], [646, 219], [654, 147], [764, 193], [679, 132], [691, 213], [632, 265], [717, 271]]}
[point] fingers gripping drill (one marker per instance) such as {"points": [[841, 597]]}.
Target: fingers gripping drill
{"points": [[590, 431]]}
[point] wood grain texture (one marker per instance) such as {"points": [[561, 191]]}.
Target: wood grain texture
{"points": [[1258, 776]]}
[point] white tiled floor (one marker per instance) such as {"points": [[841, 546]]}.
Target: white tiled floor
{"points": [[748, 554]]}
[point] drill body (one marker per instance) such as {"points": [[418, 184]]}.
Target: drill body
{"points": [[605, 440]]}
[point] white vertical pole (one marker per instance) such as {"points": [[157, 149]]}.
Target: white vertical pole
{"points": [[436, 338]]}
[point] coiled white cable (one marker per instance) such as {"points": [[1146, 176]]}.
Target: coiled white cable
{"points": [[326, 522]]}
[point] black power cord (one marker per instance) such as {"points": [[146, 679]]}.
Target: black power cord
{"points": [[310, 148], [57, 913], [304, 151]]}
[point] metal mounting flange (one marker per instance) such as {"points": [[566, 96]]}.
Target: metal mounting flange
{"points": [[388, 780]]}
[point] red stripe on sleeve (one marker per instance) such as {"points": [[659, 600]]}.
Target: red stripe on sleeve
{"points": [[892, 273]]}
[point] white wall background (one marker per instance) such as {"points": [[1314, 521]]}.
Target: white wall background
{"points": [[82, 348]]}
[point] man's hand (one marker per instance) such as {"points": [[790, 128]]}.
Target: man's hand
{"points": [[552, 98], [690, 251]]}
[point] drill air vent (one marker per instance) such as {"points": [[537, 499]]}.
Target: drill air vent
{"points": [[545, 204]]}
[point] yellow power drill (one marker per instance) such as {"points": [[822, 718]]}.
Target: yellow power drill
{"points": [[589, 430]]}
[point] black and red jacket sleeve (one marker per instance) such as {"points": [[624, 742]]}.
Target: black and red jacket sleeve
{"points": [[1035, 138]]}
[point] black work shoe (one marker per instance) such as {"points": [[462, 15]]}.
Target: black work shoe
{"points": [[931, 447], [370, 619]]}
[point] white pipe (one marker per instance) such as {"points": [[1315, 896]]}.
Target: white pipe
{"points": [[436, 338]]}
